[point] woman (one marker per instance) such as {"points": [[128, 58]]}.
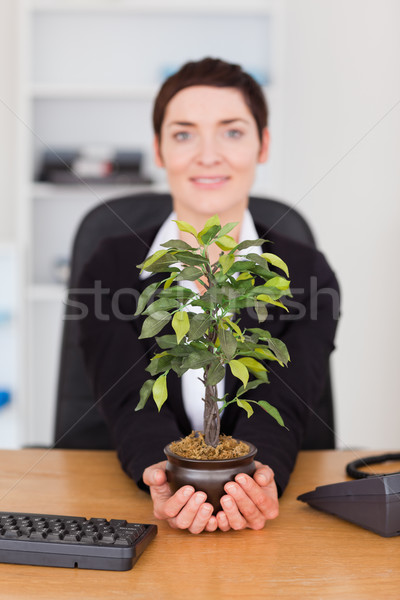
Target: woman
{"points": [[210, 124]]}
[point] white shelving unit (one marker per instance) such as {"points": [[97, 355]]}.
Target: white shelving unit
{"points": [[89, 70]]}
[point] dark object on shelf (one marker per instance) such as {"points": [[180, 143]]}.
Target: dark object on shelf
{"points": [[208, 476], [61, 541], [93, 167], [373, 502], [78, 422]]}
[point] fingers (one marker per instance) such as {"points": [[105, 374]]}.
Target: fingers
{"points": [[155, 474], [195, 515], [222, 521], [168, 505], [234, 518], [250, 502], [212, 524]]}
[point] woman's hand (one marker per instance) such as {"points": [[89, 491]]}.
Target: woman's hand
{"points": [[250, 501], [186, 509]]}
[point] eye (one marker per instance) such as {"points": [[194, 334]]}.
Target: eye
{"points": [[234, 133], [182, 136]]}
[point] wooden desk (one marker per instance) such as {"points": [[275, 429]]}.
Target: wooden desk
{"points": [[302, 554]]}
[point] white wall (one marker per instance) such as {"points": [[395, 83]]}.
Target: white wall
{"points": [[342, 169], [8, 77], [342, 146]]}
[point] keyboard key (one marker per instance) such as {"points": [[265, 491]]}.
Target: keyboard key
{"points": [[12, 534]]}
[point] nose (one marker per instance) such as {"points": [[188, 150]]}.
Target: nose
{"points": [[208, 151]]}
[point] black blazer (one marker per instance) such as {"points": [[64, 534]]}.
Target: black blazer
{"points": [[116, 359]]}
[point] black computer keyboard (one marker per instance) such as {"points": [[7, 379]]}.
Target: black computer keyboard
{"points": [[61, 541]]}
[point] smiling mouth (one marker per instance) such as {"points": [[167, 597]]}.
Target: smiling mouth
{"points": [[209, 180]]}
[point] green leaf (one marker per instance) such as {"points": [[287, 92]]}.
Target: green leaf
{"points": [[215, 373], [269, 300], [261, 310], [183, 226], [276, 262], [153, 258], [161, 304], [252, 365], [166, 341], [262, 376], [177, 366], [273, 293], [266, 354], [279, 349], [145, 297], [227, 229], [170, 280], [239, 371], [180, 324], [271, 410], [198, 360], [226, 261], [262, 334], [179, 292], [159, 363], [226, 243], [177, 245], [278, 282], [160, 392], [250, 243], [144, 393], [250, 386], [199, 325], [210, 229], [165, 264], [235, 328], [246, 406], [189, 274], [259, 260], [244, 276], [227, 342], [211, 222], [154, 323], [247, 346], [189, 258], [242, 266], [207, 237], [240, 303]]}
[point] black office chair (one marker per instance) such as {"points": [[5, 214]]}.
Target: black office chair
{"points": [[78, 423]]}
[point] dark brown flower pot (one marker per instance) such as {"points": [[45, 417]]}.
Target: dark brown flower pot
{"points": [[208, 476]]}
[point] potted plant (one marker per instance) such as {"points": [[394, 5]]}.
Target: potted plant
{"points": [[206, 335]]}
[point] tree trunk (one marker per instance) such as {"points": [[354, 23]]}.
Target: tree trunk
{"points": [[211, 417]]}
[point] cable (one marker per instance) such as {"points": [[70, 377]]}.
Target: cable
{"points": [[352, 467]]}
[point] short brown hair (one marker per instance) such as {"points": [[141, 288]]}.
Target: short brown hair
{"points": [[215, 73]]}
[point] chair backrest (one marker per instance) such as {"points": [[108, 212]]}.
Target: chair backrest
{"points": [[78, 423]]}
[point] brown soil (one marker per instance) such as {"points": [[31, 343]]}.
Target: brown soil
{"points": [[194, 446]]}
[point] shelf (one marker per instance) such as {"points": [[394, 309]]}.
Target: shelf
{"points": [[48, 191], [156, 6], [79, 92], [59, 92]]}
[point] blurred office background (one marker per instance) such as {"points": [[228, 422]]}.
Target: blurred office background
{"points": [[78, 78]]}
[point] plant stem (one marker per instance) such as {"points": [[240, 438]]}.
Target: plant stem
{"points": [[212, 420]]}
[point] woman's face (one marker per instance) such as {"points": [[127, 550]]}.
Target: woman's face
{"points": [[210, 148]]}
